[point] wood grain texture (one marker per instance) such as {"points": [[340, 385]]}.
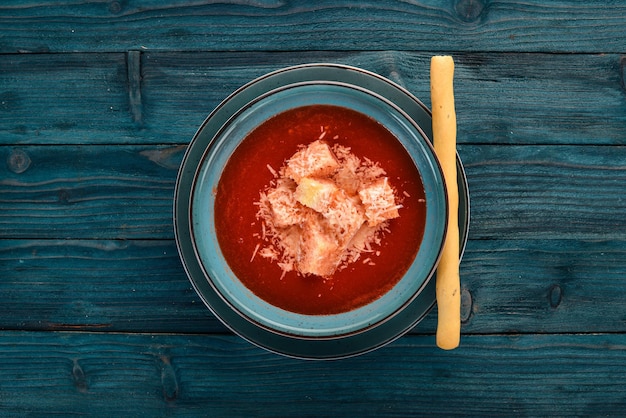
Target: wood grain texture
{"points": [[86, 101], [543, 286], [99, 285], [509, 286], [88, 191], [83, 373], [548, 192], [162, 98], [126, 192], [64, 26]]}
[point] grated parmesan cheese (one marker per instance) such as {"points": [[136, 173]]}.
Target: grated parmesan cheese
{"points": [[324, 209], [379, 201], [316, 160]]}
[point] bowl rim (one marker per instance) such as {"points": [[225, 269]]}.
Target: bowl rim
{"points": [[356, 320], [287, 346]]}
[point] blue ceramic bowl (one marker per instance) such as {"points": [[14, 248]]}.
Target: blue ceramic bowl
{"points": [[285, 332]]}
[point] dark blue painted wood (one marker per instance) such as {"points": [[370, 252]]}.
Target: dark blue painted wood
{"points": [[162, 98], [185, 375], [98, 285], [89, 192], [547, 192], [464, 25]]}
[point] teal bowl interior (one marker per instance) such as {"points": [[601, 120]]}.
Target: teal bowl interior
{"points": [[224, 281]]}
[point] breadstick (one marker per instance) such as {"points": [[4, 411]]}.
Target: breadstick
{"points": [[448, 288]]}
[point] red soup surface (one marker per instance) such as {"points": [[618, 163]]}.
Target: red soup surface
{"points": [[246, 175]]}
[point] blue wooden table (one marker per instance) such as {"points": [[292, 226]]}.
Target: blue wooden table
{"points": [[98, 101]]}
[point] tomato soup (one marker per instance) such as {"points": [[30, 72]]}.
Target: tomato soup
{"points": [[248, 172]]}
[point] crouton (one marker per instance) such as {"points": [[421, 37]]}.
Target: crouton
{"points": [[315, 193], [285, 208], [379, 202], [316, 160], [320, 253], [343, 213], [345, 216], [326, 208]]}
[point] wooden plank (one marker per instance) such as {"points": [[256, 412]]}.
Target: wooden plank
{"points": [[543, 286], [63, 26], [525, 98], [103, 285], [94, 192], [537, 375], [162, 98], [540, 99], [509, 286], [65, 99], [126, 192], [551, 192]]}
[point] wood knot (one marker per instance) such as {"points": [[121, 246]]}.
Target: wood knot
{"points": [[79, 378], [168, 380], [467, 304], [622, 72], [470, 10], [396, 78], [18, 161], [115, 7], [133, 64], [555, 295], [63, 197]]}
